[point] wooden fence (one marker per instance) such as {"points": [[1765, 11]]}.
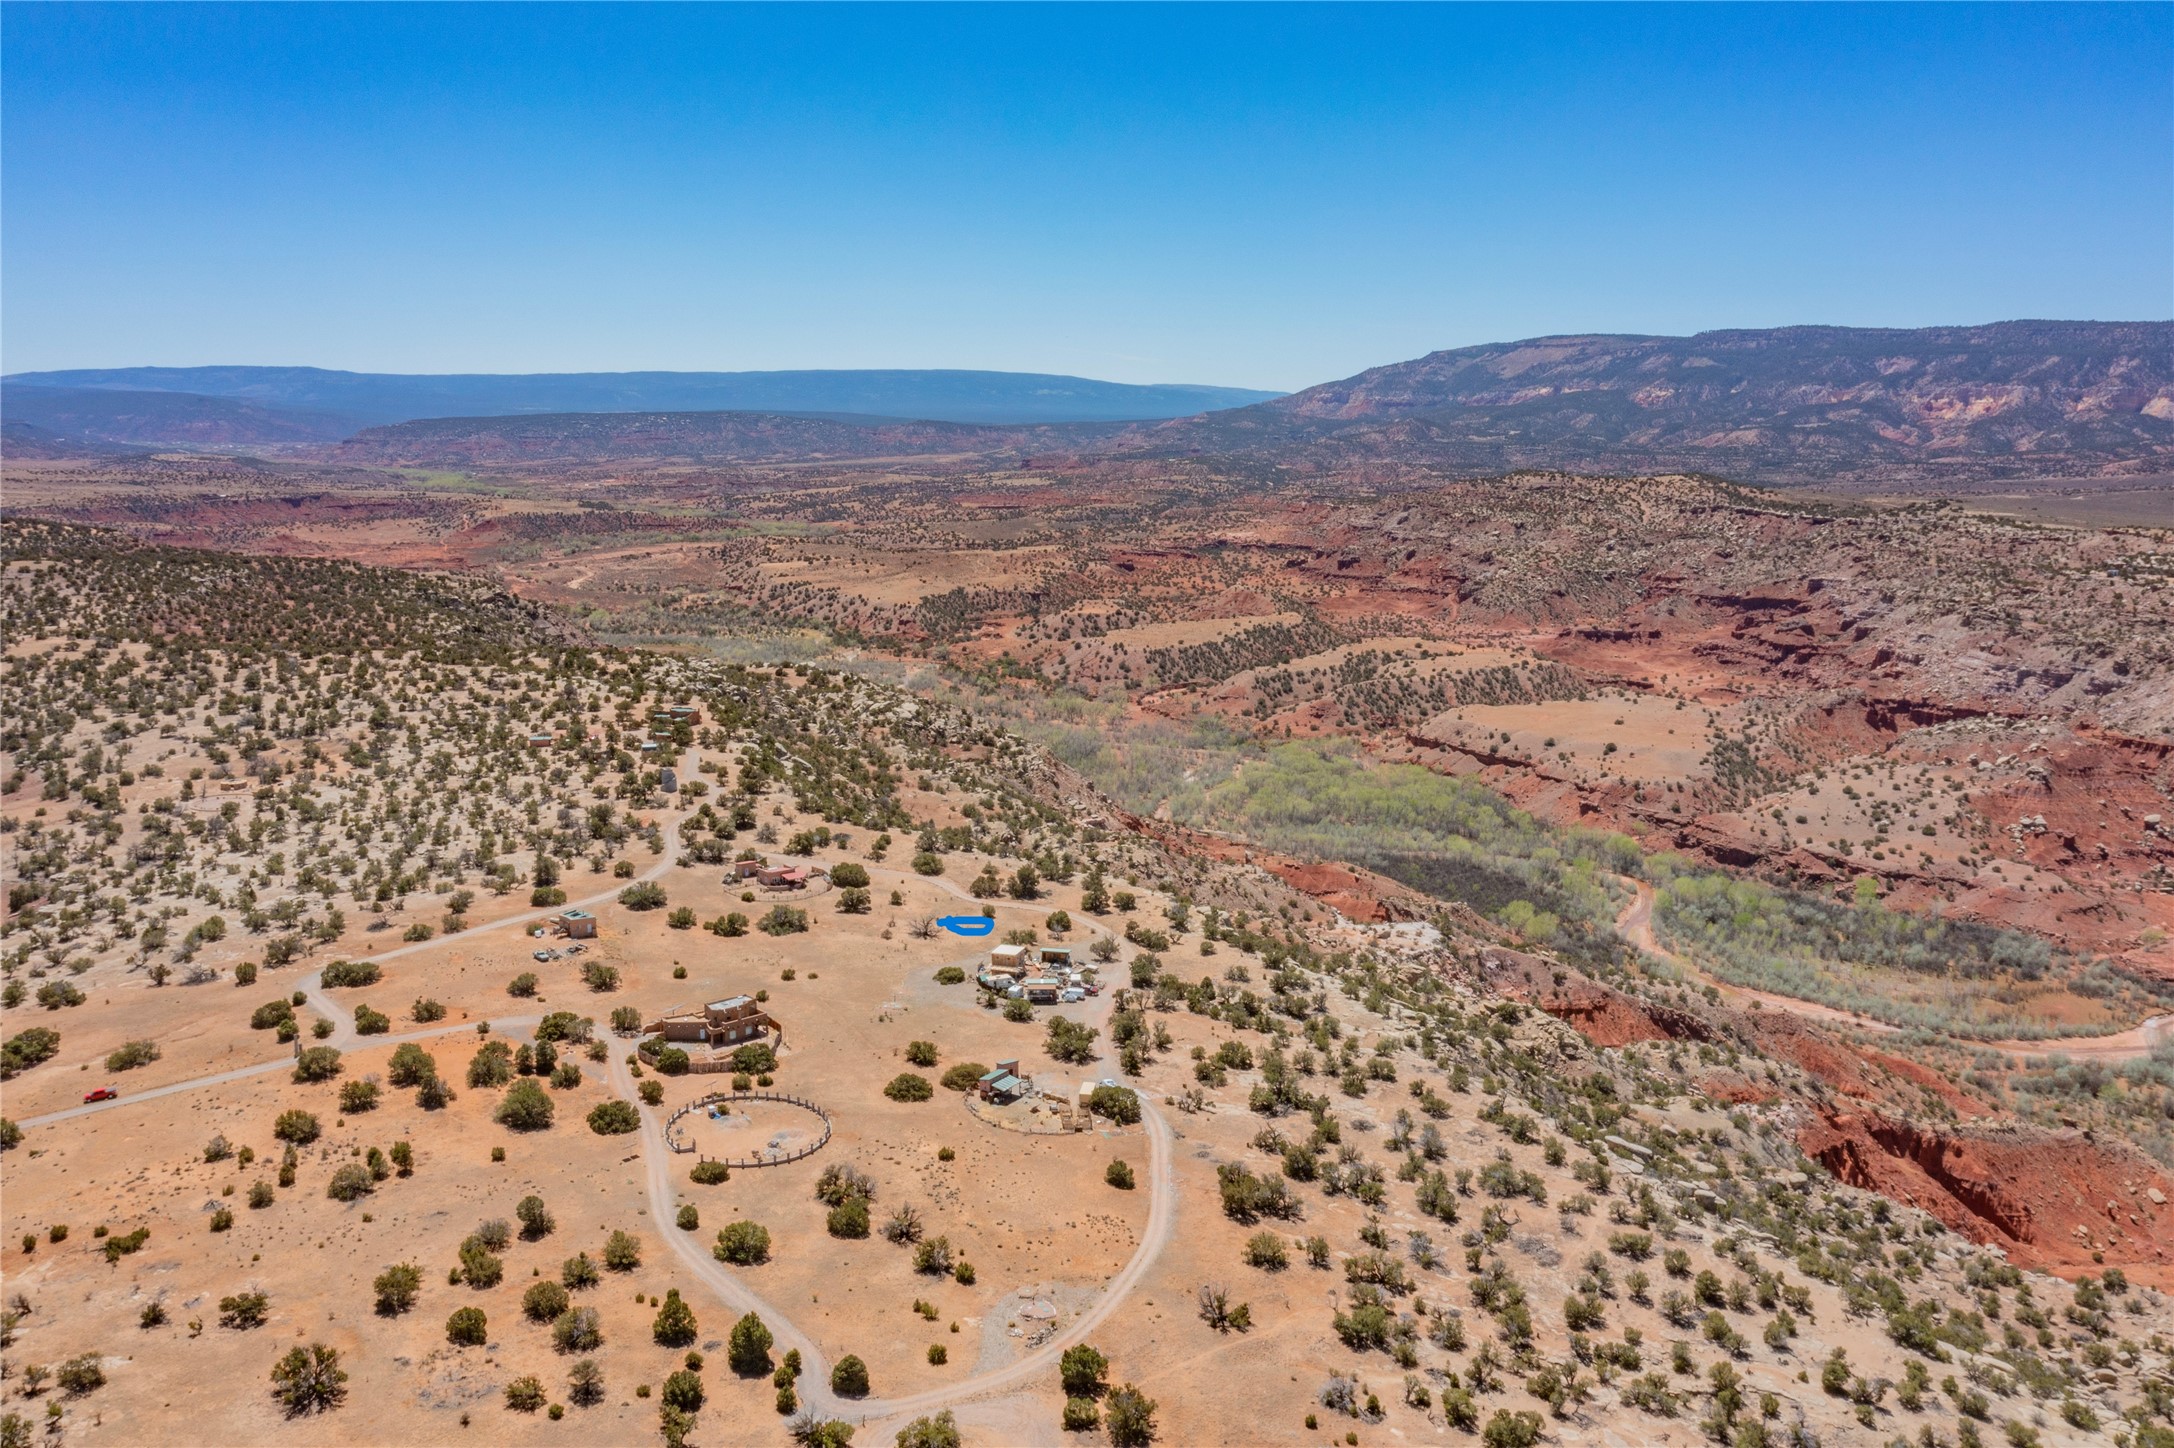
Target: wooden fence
{"points": [[676, 1142]]}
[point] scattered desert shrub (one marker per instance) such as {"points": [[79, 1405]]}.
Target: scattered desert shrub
{"points": [[397, 1288], [783, 920], [909, 1086], [132, 1054], [1120, 1104], [849, 1219], [964, 1076], [849, 1378], [309, 1380], [748, 1347], [647, 895], [743, 1244], [299, 1127], [317, 1063], [467, 1327], [526, 1107]]}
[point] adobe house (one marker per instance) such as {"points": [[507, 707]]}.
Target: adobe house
{"points": [[783, 877], [1008, 960], [734, 1021], [578, 924]]}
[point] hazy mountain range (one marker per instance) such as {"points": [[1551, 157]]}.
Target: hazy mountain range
{"points": [[287, 404], [1788, 404], [750, 437], [1791, 404]]}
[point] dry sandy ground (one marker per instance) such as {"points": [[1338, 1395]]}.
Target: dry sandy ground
{"points": [[1032, 1213], [905, 577], [1656, 739]]}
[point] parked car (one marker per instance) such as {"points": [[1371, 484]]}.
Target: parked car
{"points": [[103, 1093], [574, 949], [544, 956]]}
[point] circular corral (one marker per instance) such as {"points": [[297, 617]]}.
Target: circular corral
{"points": [[731, 1127]]}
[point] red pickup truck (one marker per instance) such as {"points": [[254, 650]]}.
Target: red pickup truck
{"points": [[103, 1093]]}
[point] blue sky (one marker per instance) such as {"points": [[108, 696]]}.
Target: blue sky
{"points": [[1250, 196]]}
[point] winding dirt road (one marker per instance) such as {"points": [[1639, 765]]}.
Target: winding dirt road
{"points": [[664, 1208], [343, 1035], [1634, 922]]}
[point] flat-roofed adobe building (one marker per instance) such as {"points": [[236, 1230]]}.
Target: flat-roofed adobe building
{"points": [[734, 1021]]}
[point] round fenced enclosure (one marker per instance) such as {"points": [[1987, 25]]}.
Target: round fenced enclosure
{"points": [[739, 1128]]}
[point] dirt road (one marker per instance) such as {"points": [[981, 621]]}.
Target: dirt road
{"points": [[664, 1208], [343, 1035], [1635, 924], [814, 1385]]}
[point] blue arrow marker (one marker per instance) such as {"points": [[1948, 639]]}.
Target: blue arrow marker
{"points": [[967, 924]]}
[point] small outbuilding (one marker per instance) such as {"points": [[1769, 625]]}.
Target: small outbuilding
{"points": [[1003, 1084]]}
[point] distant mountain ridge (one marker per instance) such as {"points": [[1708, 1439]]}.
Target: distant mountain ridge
{"points": [[753, 437], [100, 415], [363, 399], [1785, 404], [1915, 408]]}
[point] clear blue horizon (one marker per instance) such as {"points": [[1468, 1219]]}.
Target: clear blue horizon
{"points": [[1234, 195]]}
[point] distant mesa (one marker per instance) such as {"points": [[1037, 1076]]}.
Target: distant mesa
{"points": [[754, 437], [312, 404], [1869, 407], [69, 417], [1789, 404]]}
